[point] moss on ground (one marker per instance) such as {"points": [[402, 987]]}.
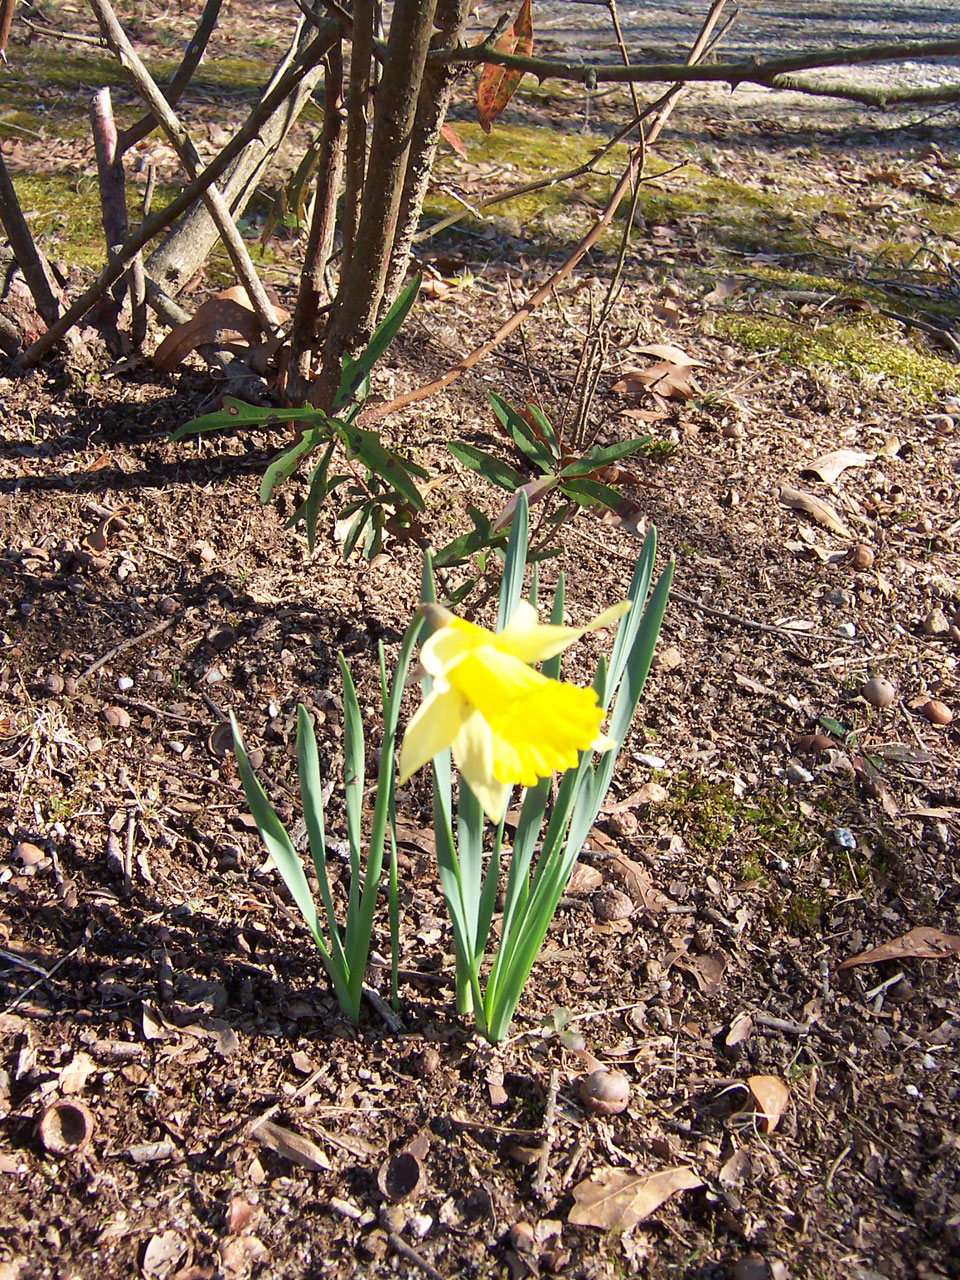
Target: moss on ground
{"points": [[861, 350]]}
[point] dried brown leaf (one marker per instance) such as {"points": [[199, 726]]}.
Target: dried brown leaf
{"points": [[498, 84], [671, 354], [832, 465], [616, 1201], [293, 1146], [922, 943], [164, 1253], [449, 134], [815, 508], [771, 1096]]}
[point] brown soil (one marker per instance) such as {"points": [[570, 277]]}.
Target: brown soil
{"points": [[154, 972]]}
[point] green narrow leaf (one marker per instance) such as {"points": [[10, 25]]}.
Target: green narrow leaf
{"points": [[587, 492], [367, 447], [604, 457], [353, 775], [285, 463], [237, 414], [355, 372], [311, 791], [309, 509], [524, 436], [485, 464], [511, 589]]}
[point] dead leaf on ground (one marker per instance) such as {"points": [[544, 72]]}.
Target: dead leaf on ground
{"points": [[240, 1254], [832, 465], [707, 970], [665, 379], [616, 1201], [165, 1252], [922, 943], [673, 355], [638, 884], [815, 508], [73, 1076], [293, 1146], [725, 288], [229, 312], [771, 1096], [741, 1028]]}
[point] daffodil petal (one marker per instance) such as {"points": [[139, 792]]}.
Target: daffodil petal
{"points": [[473, 755], [433, 728], [524, 638], [493, 682], [446, 646]]}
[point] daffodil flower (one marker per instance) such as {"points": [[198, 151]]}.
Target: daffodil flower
{"points": [[505, 722]]}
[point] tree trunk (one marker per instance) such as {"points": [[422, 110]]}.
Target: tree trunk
{"points": [[435, 94], [361, 286]]}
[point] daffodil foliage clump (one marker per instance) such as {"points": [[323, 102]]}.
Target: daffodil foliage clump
{"points": [[496, 714], [496, 720]]}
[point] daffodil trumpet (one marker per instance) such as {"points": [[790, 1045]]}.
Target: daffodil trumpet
{"points": [[506, 723], [503, 723]]}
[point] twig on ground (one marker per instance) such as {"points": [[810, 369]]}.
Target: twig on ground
{"points": [[129, 643], [539, 1184], [380, 1005], [406, 1251], [50, 972]]}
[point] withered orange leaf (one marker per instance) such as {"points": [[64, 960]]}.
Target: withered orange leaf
{"points": [[499, 84]]}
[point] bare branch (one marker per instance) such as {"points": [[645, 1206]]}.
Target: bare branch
{"points": [[159, 221], [732, 73], [118, 41], [28, 256], [192, 55]]}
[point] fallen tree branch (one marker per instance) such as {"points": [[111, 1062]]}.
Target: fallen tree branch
{"points": [[876, 97]]}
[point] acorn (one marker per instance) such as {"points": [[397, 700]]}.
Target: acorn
{"points": [[937, 712], [860, 557], [879, 693], [605, 1093]]}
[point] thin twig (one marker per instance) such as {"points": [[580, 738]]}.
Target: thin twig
{"points": [[50, 972], [128, 644], [546, 1146], [406, 1251]]}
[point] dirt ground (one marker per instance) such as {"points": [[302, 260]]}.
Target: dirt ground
{"points": [[766, 824]]}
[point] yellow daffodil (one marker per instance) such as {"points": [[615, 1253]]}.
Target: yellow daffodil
{"points": [[505, 722]]}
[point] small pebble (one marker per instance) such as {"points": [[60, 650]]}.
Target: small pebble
{"points": [[847, 629], [912, 1091], [929, 1062], [797, 773], [843, 838], [420, 1224], [837, 597], [936, 623], [124, 683], [651, 762], [176, 747]]}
